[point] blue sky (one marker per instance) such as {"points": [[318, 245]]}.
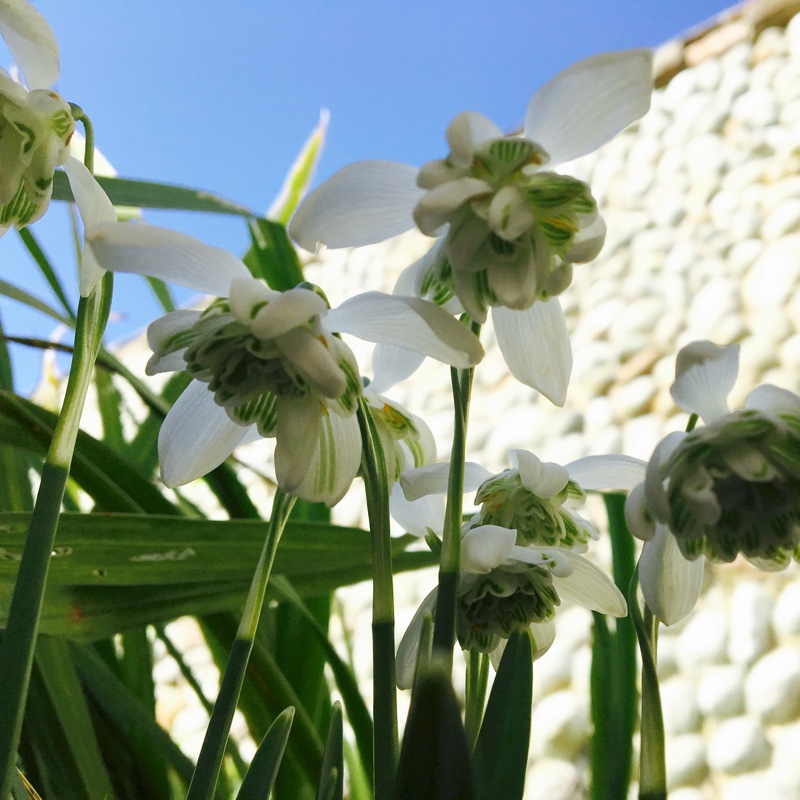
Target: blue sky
{"points": [[221, 96]]}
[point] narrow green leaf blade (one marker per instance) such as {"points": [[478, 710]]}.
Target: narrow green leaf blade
{"points": [[272, 256], [501, 752], [264, 767], [331, 780]]}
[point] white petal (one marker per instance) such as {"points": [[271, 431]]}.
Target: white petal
{"points": [[169, 255], [466, 133], [588, 242], [654, 484], [164, 328], [417, 516], [535, 345], [485, 547], [544, 634], [392, 364], [335, 462], [408, 649], [246, 296], [286, 311], [704, 376], [670, 583], [363, 203], [297, 431], [438, 205], [545, 480], [31, 41], [433, 479], [172, 362], [589, 586], [196, 436], [773, 400], [407, 322], [313, 360], [638, 518], [607, 473], [589, 103]]}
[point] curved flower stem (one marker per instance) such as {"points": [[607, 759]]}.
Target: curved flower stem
{"points": [[477, 682], [19, 639], [652, 762], [79, 115], [383, 653], [211, 753], [444, 626]]}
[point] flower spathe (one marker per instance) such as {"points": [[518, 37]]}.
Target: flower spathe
{"points": [[521, 552], [36, 123], [267, 361], [510, 226], [727, 488]]}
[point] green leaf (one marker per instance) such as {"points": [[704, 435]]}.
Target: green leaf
{"points": [[260, 777], [272, 256], [46, 268], [147, 194], [434, 759], [299, 178], [331, 780], [21, 296], [501, 753]]}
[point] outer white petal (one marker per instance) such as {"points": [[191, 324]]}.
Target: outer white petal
{"points": [[485, 547], [654, 484], [638, 518], [297, 431], [590, 586], [433, 479], [335, 462], [408, 649], [670, 583], [392, 364], [31, 41], [544, 634], [773, 400], [704, 376], [196, 436], [363, 203], [95, 209], [417, 516], [607, 473], [535, 345], [407, 322], [169, 255], [589, 103]]}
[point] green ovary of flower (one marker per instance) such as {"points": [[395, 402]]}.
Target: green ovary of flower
{"points": [[497, 604], [538, 521], [734, 487]]}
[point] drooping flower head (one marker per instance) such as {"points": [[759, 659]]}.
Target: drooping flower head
{"points": [[515, 577], [727, 488], [267, 361], [36, 123], [510, 226]]}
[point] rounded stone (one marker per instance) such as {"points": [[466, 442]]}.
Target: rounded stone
{"points": [[755, 108], [783, 219], [704, 640], [772, 278], [750, 635], [720, 692], [772, 687], [786, 613], [561, 722], [686, 760], [738, 745], [679, 706], [553, 779]]}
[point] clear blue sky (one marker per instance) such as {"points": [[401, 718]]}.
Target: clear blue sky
{"points": [[221, 96]]}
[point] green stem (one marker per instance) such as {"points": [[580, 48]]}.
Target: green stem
{"points": [[19, 640], [477, 681], [652, 763], [444, 626], [79, 115], [211, 753], [386, 745]]}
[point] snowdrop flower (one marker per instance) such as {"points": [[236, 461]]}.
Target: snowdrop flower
{"points": [[510, 226], [513, 577], [36, 124], [727, 488], [266, 361]]}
